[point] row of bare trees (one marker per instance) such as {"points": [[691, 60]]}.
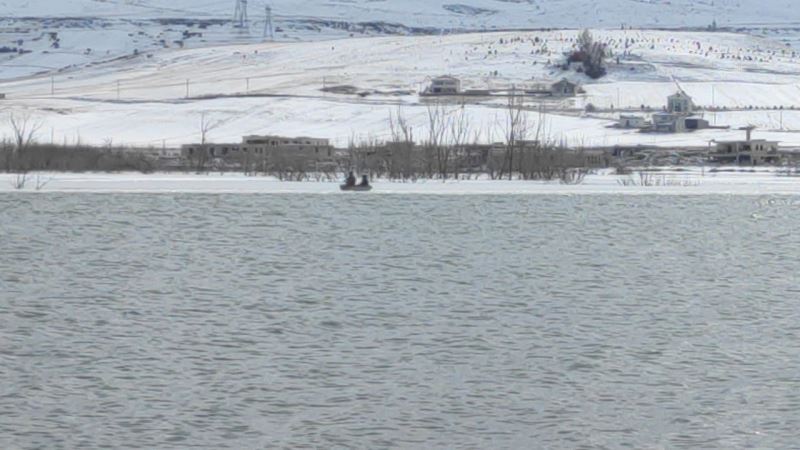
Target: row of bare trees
{"points": [[22, 153], [449, 148]]}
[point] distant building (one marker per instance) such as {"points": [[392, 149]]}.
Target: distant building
{"points": [[2, 96], [564, 88], [676, 118], [680, 103], [209, 150], [445, 85], [664, 122], [749, 151], [285, 146], [628, 121], [276, 148]]}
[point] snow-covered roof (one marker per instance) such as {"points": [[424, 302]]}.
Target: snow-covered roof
{"points": [[681, 94], [446, 78]]}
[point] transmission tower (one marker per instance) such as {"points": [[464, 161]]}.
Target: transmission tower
{"points": [[269, 32], [240, 14]]}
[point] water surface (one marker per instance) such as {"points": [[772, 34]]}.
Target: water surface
{"points": [[341, 321]]}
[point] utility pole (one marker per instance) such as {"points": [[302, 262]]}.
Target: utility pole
{"points": [[117, 90], [52, 86], [240, 14], [269, 32], [713, 96], [187, 88], [714, 102], [247, 88]]}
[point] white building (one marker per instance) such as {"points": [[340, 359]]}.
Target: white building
{"points": [[673, 120], [680, 103], [445, 85]]}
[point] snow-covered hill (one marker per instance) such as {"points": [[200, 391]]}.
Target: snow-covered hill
{"points": [[38, 36], [440, 13], [278, 87]]}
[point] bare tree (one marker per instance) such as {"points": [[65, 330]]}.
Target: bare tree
{"points": [[19, 181], [23, 129], [515, 130], [399, 127], [435, 143], [207, 126], [534, 156], [459, 130], [398, 154], [200, 157]]}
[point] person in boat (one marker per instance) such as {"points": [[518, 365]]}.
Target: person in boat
{"points": [[351, 180], [364, 181]]}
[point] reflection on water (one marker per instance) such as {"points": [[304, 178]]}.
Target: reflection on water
{"points": [[246, 321]]}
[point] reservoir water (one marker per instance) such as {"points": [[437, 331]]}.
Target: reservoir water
{"points": [[391, 321]]}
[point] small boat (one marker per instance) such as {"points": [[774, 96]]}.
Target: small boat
{"points": [[356, 188]]}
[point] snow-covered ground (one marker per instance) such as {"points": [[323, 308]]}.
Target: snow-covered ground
{"points": [[692, 181], [276, 88]]}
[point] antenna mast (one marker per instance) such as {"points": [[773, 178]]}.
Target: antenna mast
{"points": [[240, 14], [269, 32]]}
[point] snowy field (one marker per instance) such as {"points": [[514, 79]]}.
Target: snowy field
{"points": [[65, 34], [692, 181], [276, 88]]}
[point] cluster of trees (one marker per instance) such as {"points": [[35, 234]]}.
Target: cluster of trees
{"points": [[591, 55]]}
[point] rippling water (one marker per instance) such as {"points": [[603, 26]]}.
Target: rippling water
{"points": [[311, 321]]}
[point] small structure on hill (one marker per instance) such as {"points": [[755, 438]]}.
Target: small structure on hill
{"points": [[444, 85], [680, 103], [666, 122], [676, 118], [749, 151], [564, 88]]}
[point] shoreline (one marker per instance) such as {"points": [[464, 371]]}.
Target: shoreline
{"points": [[663, 181]]}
